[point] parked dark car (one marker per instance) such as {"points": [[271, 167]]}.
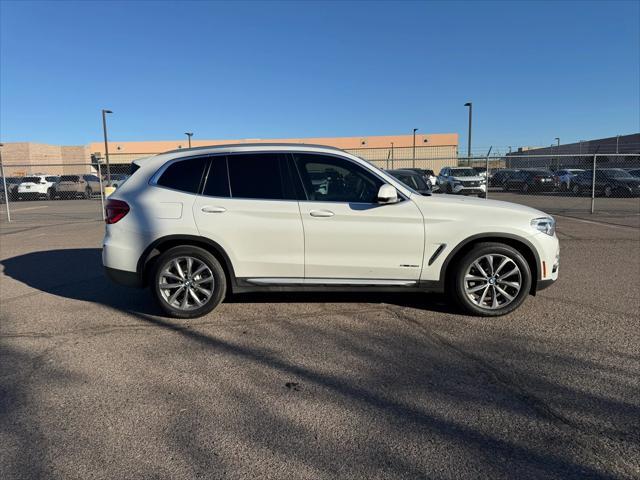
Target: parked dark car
{"points": [[530, 181], [498, 178], [609, 182], [428, 175], [412, 179], [635, 172]]}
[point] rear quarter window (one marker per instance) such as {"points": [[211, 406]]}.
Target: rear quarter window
{"points": [[183, 175]]}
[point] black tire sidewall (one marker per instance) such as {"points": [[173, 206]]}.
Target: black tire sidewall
{"points": [[202, 255], [463, 264]]}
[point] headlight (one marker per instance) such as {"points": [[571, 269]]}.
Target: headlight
{"points": [[545, 225]]}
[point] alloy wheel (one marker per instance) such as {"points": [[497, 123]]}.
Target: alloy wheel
{"points": [[492, 281], [186, 283]]}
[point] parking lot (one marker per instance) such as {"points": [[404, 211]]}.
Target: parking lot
{"points": [[97, 384]]}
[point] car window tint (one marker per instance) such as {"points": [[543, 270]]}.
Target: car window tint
{"points": [[183, 175], [260, 175], [218, 178], [333, 179]]}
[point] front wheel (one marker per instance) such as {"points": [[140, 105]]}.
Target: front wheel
{"points": [[576, 190], [188, 282], [87, 193], [493, 279]]}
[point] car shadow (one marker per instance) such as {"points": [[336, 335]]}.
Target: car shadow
{"points": [[78, 274]]}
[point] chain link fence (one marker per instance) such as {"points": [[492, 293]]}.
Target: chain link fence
{"points": [[53, 194], [606, 184]]}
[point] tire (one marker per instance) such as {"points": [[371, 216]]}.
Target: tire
{"points": [[608, 191], [51, 194], [505, 187], [576, 190], [494, 303], [525, 188], [449, 189], [165, 266], [87, 193]]}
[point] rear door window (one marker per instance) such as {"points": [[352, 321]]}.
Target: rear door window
{"points": [[217, 184], [260, 176], [183, 175]]}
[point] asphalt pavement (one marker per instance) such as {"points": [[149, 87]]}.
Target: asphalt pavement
{"points": [[96, 383]]}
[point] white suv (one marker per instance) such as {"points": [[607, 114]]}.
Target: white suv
{"points": [[462, 181], [37, 186], [194, 224]]}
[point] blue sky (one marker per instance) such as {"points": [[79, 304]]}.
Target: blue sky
{"points": [[534, 70]]}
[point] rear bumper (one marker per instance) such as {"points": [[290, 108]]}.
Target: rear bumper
{"points": [[128, 279]]}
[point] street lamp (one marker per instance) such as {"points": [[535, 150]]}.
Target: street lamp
{"points": [[470, 105], [189, 135], [414, 146], [557, 139], [392, 156], [106, 144]]}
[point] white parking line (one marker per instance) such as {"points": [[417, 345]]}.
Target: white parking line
{"points": [[28, 208], [602, 224]]}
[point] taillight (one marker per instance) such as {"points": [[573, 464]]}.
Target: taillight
{"points": [[115, 210]]}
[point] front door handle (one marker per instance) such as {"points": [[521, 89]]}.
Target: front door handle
{"points": [[321, 213], [210, 209]]}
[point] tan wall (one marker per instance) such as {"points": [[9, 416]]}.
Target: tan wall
{"points": [[31, 158], [138, 149]]}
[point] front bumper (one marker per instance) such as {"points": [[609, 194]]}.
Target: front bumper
{"points": [[464, 190]]}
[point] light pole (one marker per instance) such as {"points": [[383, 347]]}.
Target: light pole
{"points": [[470, 105], [189, 135], [557, 139], [414, 146], [106, 144], [617, 143], [392, 154]]}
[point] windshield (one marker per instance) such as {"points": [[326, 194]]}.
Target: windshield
{"points": [[31, 179], [463, 172], [617, 173]]}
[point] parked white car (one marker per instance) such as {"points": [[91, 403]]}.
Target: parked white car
{"points": [[36, 186], [195, 223], [72, 186], [462, 181]]}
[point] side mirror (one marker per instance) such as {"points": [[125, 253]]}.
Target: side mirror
{"points": [[387, 194]]}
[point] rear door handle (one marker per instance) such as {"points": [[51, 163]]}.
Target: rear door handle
{"points": [[209, 209], [321, 213]]}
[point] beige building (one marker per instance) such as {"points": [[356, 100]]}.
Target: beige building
{"points": [[24, 158], [432, 151]]}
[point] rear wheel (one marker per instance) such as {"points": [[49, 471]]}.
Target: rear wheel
{"points": [[576, 190], [87, 192], [188, 282], [493, 279]]}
